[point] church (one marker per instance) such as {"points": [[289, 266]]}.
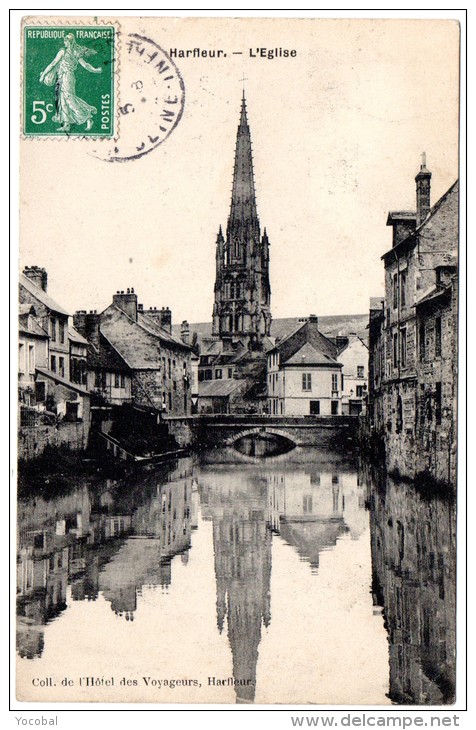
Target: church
{"points": [[232, 371]]}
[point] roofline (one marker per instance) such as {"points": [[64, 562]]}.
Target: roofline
{"points": [[62, 381], [413, 234]]}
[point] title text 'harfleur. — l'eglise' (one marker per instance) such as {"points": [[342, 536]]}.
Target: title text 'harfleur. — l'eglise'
{"points": [[268, 53]]}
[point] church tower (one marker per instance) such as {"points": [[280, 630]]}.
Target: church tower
{"points": [[241, 312]]}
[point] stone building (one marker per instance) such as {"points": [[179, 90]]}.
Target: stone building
{"points": [[152, 367], [418, 268], [304, 376], [241, 317]]}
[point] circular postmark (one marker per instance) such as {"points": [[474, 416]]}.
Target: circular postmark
{"points": [[151, 100]]}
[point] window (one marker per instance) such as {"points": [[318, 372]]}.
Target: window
{"points": [[421, 337], [335, 479], [403, 286], [97, 379], [395, 291], [53, 363], [123, 380], [175, 384], [361, 371], [21, 358], [116, 380], [40, 391], [170, 401], [438, 337], [170, 367], [218, 374], [438, 403], [31, 358], [61, 366], [403, 347], [71, 414], [334, 407], [359, 391], [230, 372], [335, 381], [61, 331], [307, 503], [53, 329], [307, 381], [395, 350], [399, 415]]}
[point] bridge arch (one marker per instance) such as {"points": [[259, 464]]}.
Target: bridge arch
{"points": [[257, 430]]}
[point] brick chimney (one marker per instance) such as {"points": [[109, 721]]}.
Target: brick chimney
{"points": [[422, 180], [37, 275], [87, 324], [185, 332], [313, 319], [127, 302]]}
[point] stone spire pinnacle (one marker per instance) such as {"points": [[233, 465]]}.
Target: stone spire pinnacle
{"points": [[243, 199]]}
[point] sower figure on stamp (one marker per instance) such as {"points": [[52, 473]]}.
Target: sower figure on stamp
{"points": [[70, 109]]}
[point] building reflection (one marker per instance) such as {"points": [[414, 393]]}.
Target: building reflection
{"points": [[413, 562], [308, 497], [236, 503], [90, 540]]}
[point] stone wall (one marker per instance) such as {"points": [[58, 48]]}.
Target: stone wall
{"points": [[33, 440]]}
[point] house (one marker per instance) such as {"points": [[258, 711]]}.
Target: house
{"points": [[32, 352], [50, 316], [54, 401], [303, 374], [109, 378], [413, 342], [138, 358], [354, 356]]}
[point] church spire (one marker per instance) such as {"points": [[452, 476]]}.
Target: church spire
{"points": [[243, 198]]}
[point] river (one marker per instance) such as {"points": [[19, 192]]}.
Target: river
{"points": [[226, 577]]}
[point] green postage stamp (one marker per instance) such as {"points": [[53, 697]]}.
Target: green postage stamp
{"points": [[68, 81]]}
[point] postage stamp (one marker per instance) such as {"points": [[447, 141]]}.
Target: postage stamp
{"points": [[68, 81]]}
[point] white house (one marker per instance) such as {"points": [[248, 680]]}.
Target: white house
{"points": [[303, 375]]}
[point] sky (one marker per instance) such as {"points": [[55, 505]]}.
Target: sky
{"points": [[337, 136]]}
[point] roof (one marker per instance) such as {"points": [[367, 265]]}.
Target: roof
{"points": [[376, 302], [143, 320], [74, 335], [137, 343], [432, 295], [28, 325], [106, 357], [307, 333], [411, 239], [309, 355], [218, 388], [62, 381], [401, 215], [41, 295]]}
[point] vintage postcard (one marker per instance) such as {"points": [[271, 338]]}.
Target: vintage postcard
{"points": [[238, 361]]}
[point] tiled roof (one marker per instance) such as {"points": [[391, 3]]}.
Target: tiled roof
{"points": [[219, 388], [41, 295], [30, 326], [76, 337], [309, 355], [106, 357], [151, 326], [307, 333]]}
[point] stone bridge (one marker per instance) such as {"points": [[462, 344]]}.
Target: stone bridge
{"points": [[210, 431]]}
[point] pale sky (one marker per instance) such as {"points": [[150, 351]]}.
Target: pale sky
{"points": [[337, 136]]}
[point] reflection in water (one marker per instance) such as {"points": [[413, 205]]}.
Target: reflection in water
{"points": [[413, 561], [249, 524], [262, 445]]}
